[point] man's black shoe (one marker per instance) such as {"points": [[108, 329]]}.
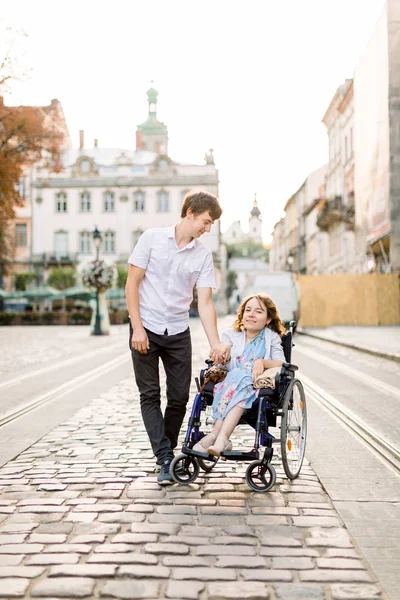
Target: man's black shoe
{"points": [[164, 476]]}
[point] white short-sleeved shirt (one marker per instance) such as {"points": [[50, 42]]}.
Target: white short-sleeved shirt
{"points": [[171, 273]]}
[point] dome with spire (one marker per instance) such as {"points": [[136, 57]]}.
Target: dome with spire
{"points": [[255, 211]]}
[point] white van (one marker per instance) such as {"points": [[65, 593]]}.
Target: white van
{"points": [[282, 289]]}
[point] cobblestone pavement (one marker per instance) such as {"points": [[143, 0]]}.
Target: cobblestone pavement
{"points": [[82, 516]]}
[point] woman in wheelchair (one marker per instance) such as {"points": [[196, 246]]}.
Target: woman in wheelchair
{"points": [[251, 346]]}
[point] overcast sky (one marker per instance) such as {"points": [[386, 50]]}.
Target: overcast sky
{"points": [[250, 79]]}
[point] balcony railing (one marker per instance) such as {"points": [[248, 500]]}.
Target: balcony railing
{"points": [[335, 211]]}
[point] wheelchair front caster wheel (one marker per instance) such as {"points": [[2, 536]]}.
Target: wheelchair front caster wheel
{"points": [[184, 469], [259, 477], [206, 465]]}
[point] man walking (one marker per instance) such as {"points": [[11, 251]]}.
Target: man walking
{"points": [[164, 266]]}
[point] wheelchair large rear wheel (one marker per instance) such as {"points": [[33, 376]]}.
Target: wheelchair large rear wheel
{"points": [[293, 429]]}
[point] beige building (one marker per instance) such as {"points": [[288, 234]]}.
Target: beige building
{"points": [[235, 234], [121, 191]]}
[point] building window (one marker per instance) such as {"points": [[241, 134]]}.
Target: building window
{"points": [[61, 244], [85, 202], [85, 166], [85, 242], [20, 235], [109, 242], [21, 187], [109, 202], [61, 202], [138, 202], [163, 165], [162, 201]]}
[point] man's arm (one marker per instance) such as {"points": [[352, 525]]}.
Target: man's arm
{"points": [[140, 340], [208, 319]]}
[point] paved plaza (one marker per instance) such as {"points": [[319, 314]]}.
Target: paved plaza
{"points": [[82, 516]]}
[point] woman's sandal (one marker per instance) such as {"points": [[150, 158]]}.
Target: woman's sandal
{"points": [[205, 442], [220, 445]]}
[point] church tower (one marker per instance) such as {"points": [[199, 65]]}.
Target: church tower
{"points": [[255, 222], [152, 135]]}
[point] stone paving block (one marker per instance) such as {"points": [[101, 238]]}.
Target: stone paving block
{"points": [[131, 590], [161, 528], [93, 528], [78, 548], [238, 562], [317, 521], [123, 558], [178, 519], [266, 575], [195, 531], [284, 541], [95, 538], [134, 538], [239, 590], [28, 572], [204, 574], [285, 551], [266, 520], [120, 517], [140, 571], [163, 548], [54, 528], [355, 592], [17, 538], [298, 592], [10, 560], [190, 591], [340, 563], [18, 527], [47, 538], [81, 517], [219, 550], [335, 575], [329, 537], [53, 559], [185, 561], [292, 562], [21, 548], [79, 587], [13, 588], [83, 570]]}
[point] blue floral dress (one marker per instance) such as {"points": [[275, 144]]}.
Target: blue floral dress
{"points": [[237, 388]]}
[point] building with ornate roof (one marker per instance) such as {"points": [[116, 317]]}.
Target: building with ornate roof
{"points": [[235, 234], [121, 191]]}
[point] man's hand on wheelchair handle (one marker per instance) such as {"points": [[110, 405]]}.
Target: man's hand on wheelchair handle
{"points": [[220, 354]]}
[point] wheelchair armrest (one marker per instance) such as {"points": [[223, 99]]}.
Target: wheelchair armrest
{"points": [[288, 367]]}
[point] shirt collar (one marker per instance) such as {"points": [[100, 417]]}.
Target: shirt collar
{"points": [[171, 234]]}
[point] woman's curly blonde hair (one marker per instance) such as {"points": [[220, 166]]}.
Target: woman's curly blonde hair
{"points": [[272, 313]]}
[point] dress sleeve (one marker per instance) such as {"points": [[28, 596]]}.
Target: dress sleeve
{"points": [[226, 338], [141, 252], [276, 351]]}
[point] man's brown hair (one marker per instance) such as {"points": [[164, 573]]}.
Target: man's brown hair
{"points": [[200, 202]]}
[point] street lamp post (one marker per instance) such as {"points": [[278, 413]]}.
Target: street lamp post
{"points": [[97, 242]]}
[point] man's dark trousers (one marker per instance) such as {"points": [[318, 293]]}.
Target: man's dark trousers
{"points": [[175, 352]]}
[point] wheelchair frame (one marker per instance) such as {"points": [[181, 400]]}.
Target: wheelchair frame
{"points": [[284, 401]]}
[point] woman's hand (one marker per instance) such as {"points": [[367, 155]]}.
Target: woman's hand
{"points": [[221, 354], [258, 368]]}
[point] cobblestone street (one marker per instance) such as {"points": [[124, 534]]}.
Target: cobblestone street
{"points": [[82, 516]]}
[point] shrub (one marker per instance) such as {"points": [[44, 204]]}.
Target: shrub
{"points": [[30, 318], [6, 318]]}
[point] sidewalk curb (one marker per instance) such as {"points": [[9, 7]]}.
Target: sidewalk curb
{"points": [[393, 357]]}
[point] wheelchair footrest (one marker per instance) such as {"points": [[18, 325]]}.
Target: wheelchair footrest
{"points": [[252, 455]]}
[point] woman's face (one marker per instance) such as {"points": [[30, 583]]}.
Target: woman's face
{"points": [[255, 315]]}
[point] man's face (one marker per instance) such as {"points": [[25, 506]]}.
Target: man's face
{"points": [[200, 223]]}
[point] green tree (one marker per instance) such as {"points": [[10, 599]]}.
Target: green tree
{"points": [[248, 249], [62, 278], [22, 280], [122, 276]]}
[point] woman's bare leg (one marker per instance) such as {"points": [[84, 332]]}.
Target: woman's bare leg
{"points": [[226, 429]]}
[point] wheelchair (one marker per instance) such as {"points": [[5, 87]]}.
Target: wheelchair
{"points": [[286, 402]]}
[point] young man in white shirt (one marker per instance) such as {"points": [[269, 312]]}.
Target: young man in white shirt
{"points": [[165, 265]]}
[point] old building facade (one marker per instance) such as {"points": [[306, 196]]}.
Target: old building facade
{"points": [[123, 192]]}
